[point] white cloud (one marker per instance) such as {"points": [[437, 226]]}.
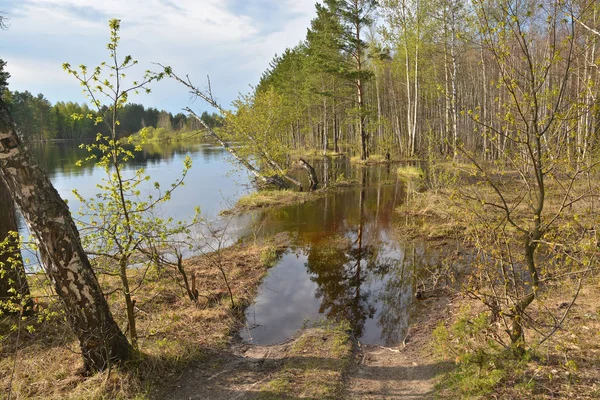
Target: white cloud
{"points": [[27, 69], [198, 37]]}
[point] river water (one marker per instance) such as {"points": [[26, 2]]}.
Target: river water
{"points": [[344, 263]]}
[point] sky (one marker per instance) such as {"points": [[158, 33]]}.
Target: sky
{"points": [[232, 41]]}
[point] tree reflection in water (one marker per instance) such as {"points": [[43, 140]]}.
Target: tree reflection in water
{"points": [[346, 260], [339, 266]]}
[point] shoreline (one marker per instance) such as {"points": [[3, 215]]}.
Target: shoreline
{"points": [[188, 347]]}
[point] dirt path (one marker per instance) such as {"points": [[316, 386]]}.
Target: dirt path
{"points": [[235, 374], [406, 372], [242, 371], [386, 373], [310, 366]]}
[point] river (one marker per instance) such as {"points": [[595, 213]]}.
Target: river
{"points": [[344, 261]]}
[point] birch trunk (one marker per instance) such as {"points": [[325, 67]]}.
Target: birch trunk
{"points": [[66, 264], [454, 88]]}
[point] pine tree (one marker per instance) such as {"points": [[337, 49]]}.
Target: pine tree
{"points": [[4, 76], [356, 16]]}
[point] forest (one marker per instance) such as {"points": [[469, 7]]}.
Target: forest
{"points": [[411, 78], [426, 170], [39, 120]]}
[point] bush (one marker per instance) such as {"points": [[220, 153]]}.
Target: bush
{"points": [[161, 133]]}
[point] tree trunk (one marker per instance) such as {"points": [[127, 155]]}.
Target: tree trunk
{"points": [[129, 302], [13, 276], [312, 175], [413, 144], [454, 89], [360, 101], [409, 129], [64, 259]]}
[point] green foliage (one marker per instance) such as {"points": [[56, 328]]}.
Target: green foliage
{"points": [[18, 311], [258, 126], [121, 221], [38, 119], [482, 363], [12, 277], [317, 79], [161, 133]]}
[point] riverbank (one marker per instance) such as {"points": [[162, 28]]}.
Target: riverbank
{"points": [[161, 135], [191, 350], [278, 198], [39, 355]]}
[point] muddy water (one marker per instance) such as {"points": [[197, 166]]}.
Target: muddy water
{"points": [[344, 264]]}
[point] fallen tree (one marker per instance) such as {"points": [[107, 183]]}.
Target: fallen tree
{"points": [[268, 180]]}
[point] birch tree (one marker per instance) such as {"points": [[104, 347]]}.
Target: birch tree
{"points": [[65, 262]]}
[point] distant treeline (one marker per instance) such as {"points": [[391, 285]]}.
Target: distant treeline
{"points": [[38, 119]]}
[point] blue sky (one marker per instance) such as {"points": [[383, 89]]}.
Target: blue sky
{"points": [[230, 40]]}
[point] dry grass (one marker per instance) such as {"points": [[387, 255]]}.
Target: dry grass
{"points": [[173, 331], [430, 215], [460, 206], [565, 366], [315, 153], [371, 160]]}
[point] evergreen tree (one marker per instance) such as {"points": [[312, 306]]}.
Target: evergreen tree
{"points": [[356, 16], [4, 76]]}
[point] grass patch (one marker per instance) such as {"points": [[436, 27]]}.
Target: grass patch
{"points": [[565, 365], [173, 331], [409, 172], [314, 153], [161, 135], [314, 366], [271, 198], [371, 160], [431, 215], [481, 365]]}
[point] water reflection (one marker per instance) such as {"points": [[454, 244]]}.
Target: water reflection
{"points": [[60, 158], [343, 262], [212, 183], [344, 265]]}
